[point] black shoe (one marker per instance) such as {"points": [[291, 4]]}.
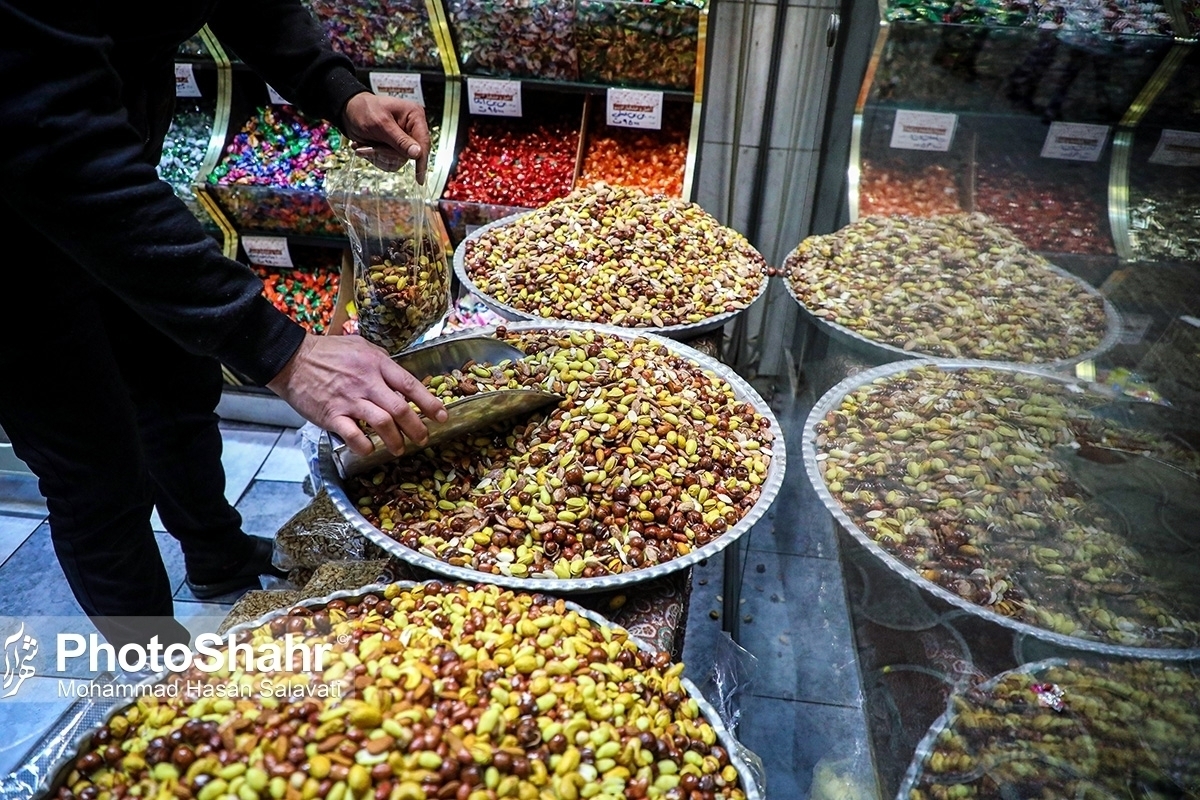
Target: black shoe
{"points": [[245, 577]]}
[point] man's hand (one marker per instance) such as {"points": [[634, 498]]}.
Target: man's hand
{"points": [[334, 381], [388, 131]]}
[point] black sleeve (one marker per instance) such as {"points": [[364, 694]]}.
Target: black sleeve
{"points": [[72, 168], [286, 45]]}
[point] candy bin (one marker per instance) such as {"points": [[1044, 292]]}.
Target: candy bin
{"points": [[652, 44], [185, 151], [401, 271], [653, 161], [890, 188], [271, 175], [516, 38], [509, 165], [307, 291], [380, 33]]}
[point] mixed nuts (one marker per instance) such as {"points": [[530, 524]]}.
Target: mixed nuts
{"points": [[647, 458], [436, 691], [1124, 729], [978, 480], [617, 255], [956, 286]]}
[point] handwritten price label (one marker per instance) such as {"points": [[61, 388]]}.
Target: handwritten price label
{"points": [[628, 108], [276, 97], [1177, 149], [494, 98], [401, 85], [1075, 141], [185, 81], [267, 251], [923, 130]]}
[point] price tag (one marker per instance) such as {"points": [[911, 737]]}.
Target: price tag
{"points": [[1177, 149], [276, 97], [494, 98], [267, 251], [1075, 141], [185, 81], [628, 108], [923, 130], [402, 85]]}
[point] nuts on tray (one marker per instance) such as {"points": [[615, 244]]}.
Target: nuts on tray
{"points": [[1013, 492], [647, 458], [429, 692], [619, 256], [1078, 730], [957, 286]]}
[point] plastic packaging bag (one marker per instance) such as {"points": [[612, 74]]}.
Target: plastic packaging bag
{"points": [[729, 679], [401, 270], [318, 533]]}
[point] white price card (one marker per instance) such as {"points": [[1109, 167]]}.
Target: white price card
{"points": [[1177, 149], [402, 85], [267, 251], [1075, 141], [276, 97], [494, 98], [185, 81], [630, 108], [923, 130]]}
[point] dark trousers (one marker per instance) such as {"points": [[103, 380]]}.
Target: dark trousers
{"points": [[115, 418]]}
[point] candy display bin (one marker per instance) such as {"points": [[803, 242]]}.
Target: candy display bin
{"points": [[505, 165], [638, 43], [515, 38], [272, 209], [381, 33]]}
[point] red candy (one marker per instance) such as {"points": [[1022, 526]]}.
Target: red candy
{"points": [[518, 163]]}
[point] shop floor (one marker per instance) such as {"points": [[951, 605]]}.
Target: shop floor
{"points": [[797, 697]]}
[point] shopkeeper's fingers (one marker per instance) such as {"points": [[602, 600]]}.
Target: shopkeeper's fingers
{"points": [[348, 431], [403, 382], [389, 123]]}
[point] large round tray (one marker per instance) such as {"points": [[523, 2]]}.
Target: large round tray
{"points": [[733, 747], [683, 331], [926, 746], [742, 391], [879, 352], [832, 399]]}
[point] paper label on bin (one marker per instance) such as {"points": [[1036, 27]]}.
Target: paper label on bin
{"points": [[267, 251], [401, 85], [1075, 141], [1177, 149], [923, 130], [629, 108], [494, 98], [276, 97], [185, 81]]}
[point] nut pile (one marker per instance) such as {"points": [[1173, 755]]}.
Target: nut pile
{"points": [[963, 475], [402, 292], [619, 256], [647, 458], [957, 286], [443, 692], [1122, 725]]}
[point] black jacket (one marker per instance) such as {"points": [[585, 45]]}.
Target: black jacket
{"points": [[86, 97]]}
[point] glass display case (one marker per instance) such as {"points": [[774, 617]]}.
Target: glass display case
{"points": [[1016, 541]]}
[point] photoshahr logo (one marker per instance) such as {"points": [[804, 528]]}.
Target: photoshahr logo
{"points": [[19, 652]]}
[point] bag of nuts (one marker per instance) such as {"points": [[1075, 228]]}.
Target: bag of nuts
{"points": [[401, 268]]}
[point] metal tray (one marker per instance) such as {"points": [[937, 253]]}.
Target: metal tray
{"points": [[880, 352], [683, 331], [832, 399], [742, 391], [733, 747], [925, 747]]}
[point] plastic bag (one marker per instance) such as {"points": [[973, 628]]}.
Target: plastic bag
{"points": [[401, 270], [729, 679], [317, 534]]}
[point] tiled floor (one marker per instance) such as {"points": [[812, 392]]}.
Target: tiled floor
{"points": [[797, 691]]}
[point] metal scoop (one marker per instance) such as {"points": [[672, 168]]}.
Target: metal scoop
{"points": [[465, 415]]}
